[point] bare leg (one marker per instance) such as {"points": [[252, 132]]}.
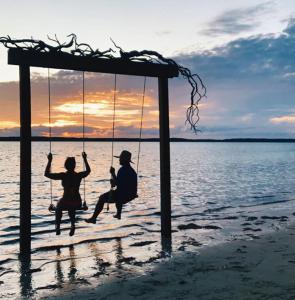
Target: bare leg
{"points": [[99, 207], [119, 206], [72, 215], [58, 217]]}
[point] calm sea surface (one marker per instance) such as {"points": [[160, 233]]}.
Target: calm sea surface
{"points": [[223, 185]]}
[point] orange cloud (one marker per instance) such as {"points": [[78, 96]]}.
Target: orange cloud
{"points": [[8, 124], [67, 107], [58, 123], [283, 119], [94, 109], [98, 111]]}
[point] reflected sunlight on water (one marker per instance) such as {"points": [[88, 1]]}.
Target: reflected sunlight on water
{"points": [[213, 184]]}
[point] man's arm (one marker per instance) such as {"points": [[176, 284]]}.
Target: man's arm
{"points": [[114, 177]]}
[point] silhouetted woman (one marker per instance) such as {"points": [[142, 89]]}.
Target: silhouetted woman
{"points": [[71, 199]]}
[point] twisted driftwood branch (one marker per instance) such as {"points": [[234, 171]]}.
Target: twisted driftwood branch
{"points": [[198, 89]]}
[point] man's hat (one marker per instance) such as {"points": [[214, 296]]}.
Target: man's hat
{"points": [[125, 155]]}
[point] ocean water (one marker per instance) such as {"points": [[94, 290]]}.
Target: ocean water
{"points": [[220, 192]]}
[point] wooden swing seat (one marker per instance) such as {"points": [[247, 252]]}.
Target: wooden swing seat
{"points": [[52, 208]]}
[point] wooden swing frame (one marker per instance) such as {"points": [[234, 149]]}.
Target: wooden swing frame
{"points": [[61, 60]]}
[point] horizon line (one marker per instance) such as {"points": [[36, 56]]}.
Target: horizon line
{"points": [[125, 139]]}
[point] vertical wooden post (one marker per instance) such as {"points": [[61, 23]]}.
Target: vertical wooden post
{"points": [[25, 278], [165, 158], [25, 160]]}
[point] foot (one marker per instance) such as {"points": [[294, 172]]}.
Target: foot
{"points": [[117, 216], [57, 231], [72, 231], [91, 220]]}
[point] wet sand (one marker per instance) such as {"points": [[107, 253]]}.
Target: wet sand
{"points": [[205, 250], [259, 268]]}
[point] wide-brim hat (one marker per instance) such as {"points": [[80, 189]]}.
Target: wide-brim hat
{"points": [[125, 155]]}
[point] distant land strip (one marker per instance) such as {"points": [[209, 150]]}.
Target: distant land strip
{"points": [[69, 139]]}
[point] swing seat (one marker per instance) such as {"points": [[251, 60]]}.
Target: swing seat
{"points": [[52, 208], [131, 199]]}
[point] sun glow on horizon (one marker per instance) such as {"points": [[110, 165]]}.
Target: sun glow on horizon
{"points": [[94, 109], [77, 108], [58, 123], [8, 124], [67, 112]]}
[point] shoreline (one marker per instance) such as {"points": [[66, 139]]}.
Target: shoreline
{"points": [[172, 139], [141, 262], [261, 268], [135, 259]]}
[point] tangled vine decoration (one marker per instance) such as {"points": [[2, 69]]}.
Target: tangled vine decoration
{"points": [[198, 89]]}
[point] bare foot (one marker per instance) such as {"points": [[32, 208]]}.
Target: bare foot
{"points": [[72, 231], [91, 220]]}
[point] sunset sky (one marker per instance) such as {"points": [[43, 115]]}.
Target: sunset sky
{"points": [[243, 50]]}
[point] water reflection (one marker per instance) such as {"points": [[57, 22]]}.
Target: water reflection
{"points": [[116, 258], [99, 261], [59, 272], [119, 253], [73, 269], [25, 279], [166, 244]]}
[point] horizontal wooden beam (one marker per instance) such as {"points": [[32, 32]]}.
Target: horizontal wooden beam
{"points": [[62, 60]]}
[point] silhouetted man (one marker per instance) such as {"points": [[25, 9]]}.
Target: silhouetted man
{"points": [[126, 183]]}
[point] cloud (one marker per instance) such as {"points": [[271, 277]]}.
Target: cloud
{"points": [[64, 130], [262, 57], [67, 107], [163, 33], [289, 74], [94, 109], [13, 131], [290, 29], [8, 124], [90, 131], [283, 119], [246, 118], [250, 81], [132, 131], [237, 20], [58, 123]]}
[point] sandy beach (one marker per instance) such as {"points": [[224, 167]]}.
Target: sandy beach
{"points": [[260, 268]]}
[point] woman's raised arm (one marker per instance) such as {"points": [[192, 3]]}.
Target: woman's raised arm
{"points": [[88, 170], [47, 173]]}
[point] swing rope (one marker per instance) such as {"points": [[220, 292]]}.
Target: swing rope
{"points": [[114, 117], [83, 109], [140, 130], [49, 127], [83, 125], [51, 207], [113, 131]]}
